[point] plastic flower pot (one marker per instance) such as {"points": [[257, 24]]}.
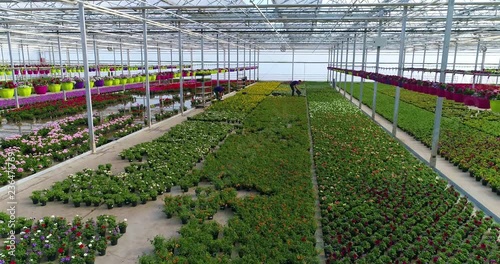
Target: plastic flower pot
{"points": [[116, 81], [79, 85], [495, 105], [67, 86], [131, 80], [137, 79], [16, 71], [8, 73], [24, 91], [54, 88], [143, 78], [123, 81], [6, 93], [92, 84], [35, 72], [30, 72], [152, 77], [483, 103], [2, 73], [108, 82], [41, 89], [459, 98]]}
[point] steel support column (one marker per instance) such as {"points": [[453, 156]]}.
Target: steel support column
{"points": [[146, 65], [454, 62], [377, 62], [346, 64], [228, 66], [217, 48], [400, 71], [181, 78], [353, 64], [9, 44], [88, 98], [444, 64], [363, 68], [423, 63]]}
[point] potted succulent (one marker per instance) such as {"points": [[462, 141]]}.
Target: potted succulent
{"points": [[7, 90]]}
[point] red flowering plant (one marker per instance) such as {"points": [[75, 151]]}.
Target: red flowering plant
{"points": [[9, 85], [55, 81], [40, 82]]}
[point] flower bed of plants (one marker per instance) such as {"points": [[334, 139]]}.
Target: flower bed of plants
{"points": [[54, 238], [57, 141], [463, 145], [269, 155], [379, 204], [53, 109], [169, 158], [235, 108], [485, 121]]}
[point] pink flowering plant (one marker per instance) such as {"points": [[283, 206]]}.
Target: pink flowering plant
{"points": [[55, 142], [68, 80]]}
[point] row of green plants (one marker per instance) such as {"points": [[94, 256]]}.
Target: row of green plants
{"points": [[235, 108], [486, 121], [466, 147], [379, 204], [166, 162], [269, 156], [49, 239]]}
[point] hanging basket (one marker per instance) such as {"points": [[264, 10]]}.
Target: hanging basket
{"points": [[6, 93], [41, 89], [54, 88], [67, 86], [495, 105], [24, 91]]}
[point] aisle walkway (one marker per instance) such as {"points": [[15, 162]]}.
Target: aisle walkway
{"points": [[144, 221], [482, 196]]}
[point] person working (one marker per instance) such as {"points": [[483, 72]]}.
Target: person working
{"points": [[219, 91], [293, 86]]}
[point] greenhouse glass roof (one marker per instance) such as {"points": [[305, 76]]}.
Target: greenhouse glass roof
{"points": [[263, 24]]}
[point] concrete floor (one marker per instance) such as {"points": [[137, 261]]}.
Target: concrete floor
{"points": [[482, 196]]}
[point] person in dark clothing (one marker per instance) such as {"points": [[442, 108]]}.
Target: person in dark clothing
{"points": [[219, 91], [293, 86]]}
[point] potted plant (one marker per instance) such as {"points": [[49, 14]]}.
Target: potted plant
{"points": [[24, 90], [98, 81], [108, 81], [101, 246], [67, 83], [77, 200], [123, 79], [54, 85], [134, 199], [495, 102], [96, 200], [144, 197], [119, 200], [40, 85], [110, 203], [116, 81], [89, 258], [7, 90], [43, 200], [35, 196], [79, 84], [123, 226]]}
